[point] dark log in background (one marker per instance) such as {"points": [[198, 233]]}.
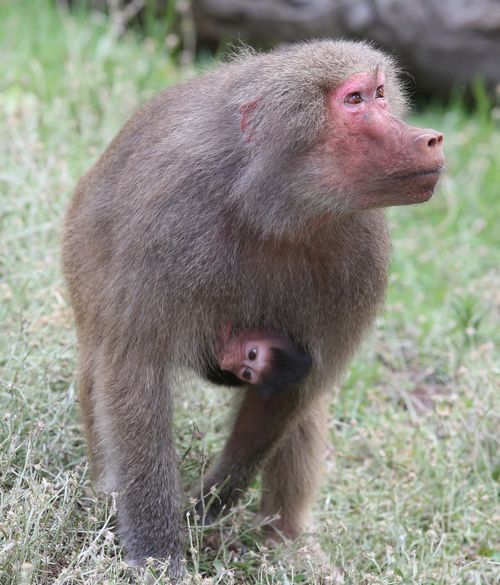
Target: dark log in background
{"points": [[442, 43]]}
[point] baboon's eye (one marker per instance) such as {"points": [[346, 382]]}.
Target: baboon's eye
{"points": [[252, 354], [247, 374], [354, 98], [380, 92]]}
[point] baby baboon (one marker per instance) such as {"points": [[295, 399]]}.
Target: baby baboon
{"points": [[271, 363], [250, 195]]}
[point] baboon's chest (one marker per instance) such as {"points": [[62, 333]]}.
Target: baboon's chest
{"points": [[317, 295]]}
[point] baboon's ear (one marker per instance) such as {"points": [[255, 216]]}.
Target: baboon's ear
{"points": [[246, 114]]}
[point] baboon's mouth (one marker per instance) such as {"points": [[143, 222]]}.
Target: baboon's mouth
{"points": [[433, 172]]}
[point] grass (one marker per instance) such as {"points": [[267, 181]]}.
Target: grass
{"points": [[413, 469]]}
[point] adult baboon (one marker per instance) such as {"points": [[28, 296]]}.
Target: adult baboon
{"points": [[249, 195]]}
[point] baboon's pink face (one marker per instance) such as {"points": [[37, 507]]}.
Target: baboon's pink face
{"points": [[247, 356], [374, 155]]}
